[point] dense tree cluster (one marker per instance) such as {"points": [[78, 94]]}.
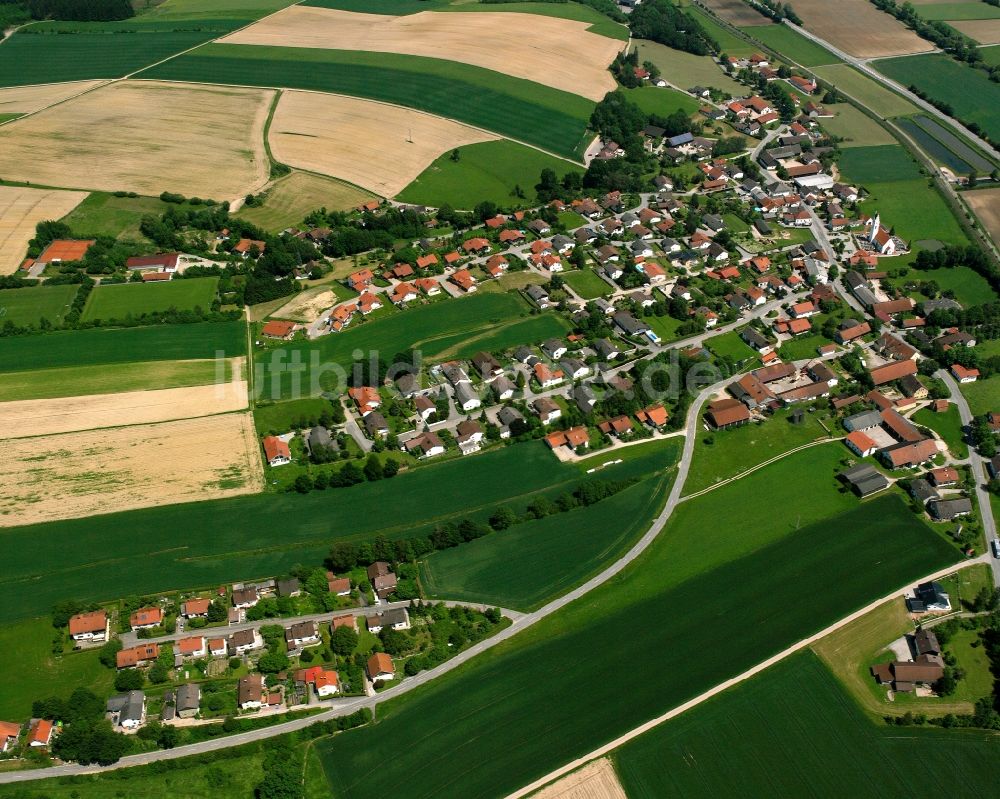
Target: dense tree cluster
{"points": [[661, 21], [81, 10]]}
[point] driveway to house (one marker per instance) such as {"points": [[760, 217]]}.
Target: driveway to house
{"points": [[978, 467]]}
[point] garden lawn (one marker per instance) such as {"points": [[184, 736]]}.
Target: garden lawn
{"points": [[792, 731], [792, 45], [290, 199], [450, 329], [982, 395], [57, 560], [970, 287], [548, 118], [492, 171], [662, 101], [948, 425], [527, 565], [36, 673], [734, 451], [866, 91], [117, 302], [967, 90], [731, 347], [685, 70], [802, 346], [586, 283], [28, 306], [73, 381], [124, 345], [900, 193], [280, 417], [855, 128], [734, 611], [104, 214]]}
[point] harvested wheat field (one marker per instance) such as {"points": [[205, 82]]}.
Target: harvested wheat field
{"points": [[735, 12], [560, 53], [146, 137], [20, 210], [984, 31], [28, 99], [382, 148], [986, 205], [42, 417], [103, 471], [596, 780], [858, 28]]}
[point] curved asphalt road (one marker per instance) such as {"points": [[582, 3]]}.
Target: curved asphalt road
{"points": [[347, 706]]}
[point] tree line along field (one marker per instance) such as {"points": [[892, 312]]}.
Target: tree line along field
{"points": [[28, 306], [166, 548], [900, 193], [98, 346], [967, 90], [104, 214], [519, 109], [489, 170], [709, 628], [793, 731], [442, 330], [533, 562], [109, 302]]}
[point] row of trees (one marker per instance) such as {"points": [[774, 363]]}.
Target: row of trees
{"points": [[81, 10]]}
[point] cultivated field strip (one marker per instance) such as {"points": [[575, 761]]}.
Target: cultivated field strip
{"points": [[379, 147], [28, 99], [858, 28], [23, 208], [555, 52], [42, 417]]}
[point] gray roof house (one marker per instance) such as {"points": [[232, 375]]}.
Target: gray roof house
{"points": [[865, 420], [948, 509], [187, 700], [922, 491], [629, 324], [376, 425], [583, 396], [538, 295], [321, 437], [466, 398], [128, 710], [865, 479], [607, 349], [289, 587]]}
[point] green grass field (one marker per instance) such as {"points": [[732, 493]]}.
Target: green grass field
{"points": [[967, 90], [280, 416], [734, 610], [734, 451], [729, 42], [290, 199], [36, 673], [900, 193], [519, 109], [685, 70], [108, 303], [946, 11], [454, 329], [948, 425], [790, 44], [586, 283], [485, 171], [527, 565], [732, 347], [662, 101], [866, 91], [991, 55], [28, 306], [103, 214], [855, 128], [982, 395], [72, 381], [256, 535], [970, 287], [792, 731], [124, 345]]}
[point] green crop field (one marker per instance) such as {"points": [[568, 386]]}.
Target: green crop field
{"points": [[866, 91], [28, 306], [256, 535], [73, 381], [451, 329], [730, 43], [686, 70], [792, 731], [991, 55], [900, 193], [490, 170], [732, 452], [586, 283], [708, 627], [289, 200], [104, 214], [548, 118], [790, 44], [855, 128], [967, 90], [662, 101], [123, 345], [946, 11], [527, 565], [107, 303], [36, 673], [27, 58]]}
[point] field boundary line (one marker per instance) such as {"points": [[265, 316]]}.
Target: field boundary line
{"points": [[733, 681], [753, 469]]}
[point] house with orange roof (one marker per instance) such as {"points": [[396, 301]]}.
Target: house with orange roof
{"points": [[361, 279], [654, 416], [547, 377], [325, 681], [511, 236], [464, 280], [278, 329], [476, 245], [496, 222], [137, 656], [403, 293], [760, 264], [40, 733], [194, 647], [92, 626], [496, 265], [428, 286], [146, 618], [452, 258], [379, 667], [860, 444], [368, 302], [366, 398], [276, 451], [402, 271], [427, 261], [963, 374], [194, 608], [245, 247], [9, 734]]}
